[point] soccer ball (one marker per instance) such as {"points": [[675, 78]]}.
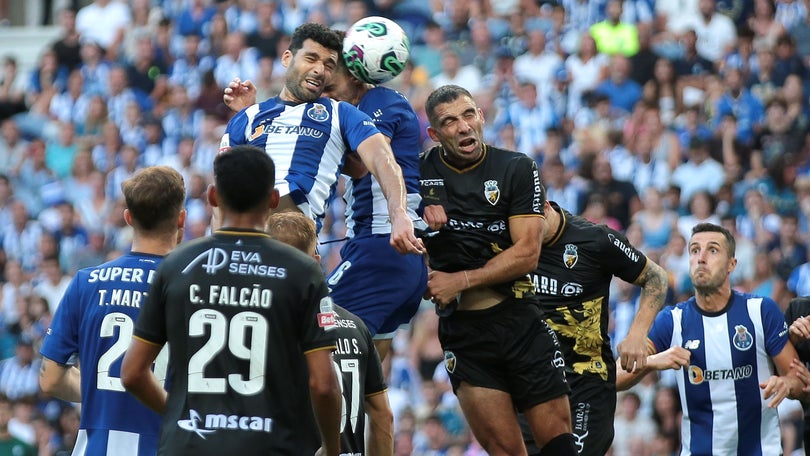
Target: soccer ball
{"points": [[375, 49]]}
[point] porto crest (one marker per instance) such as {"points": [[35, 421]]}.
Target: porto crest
{"points": [[449, 361], [492, 192], [318, 113], [743, 339], [570, 256]]}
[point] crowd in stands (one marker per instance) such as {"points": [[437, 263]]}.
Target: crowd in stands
{"points": [[648, 116]]}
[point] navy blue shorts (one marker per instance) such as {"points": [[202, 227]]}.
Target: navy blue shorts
{"points": [[377, 284]]}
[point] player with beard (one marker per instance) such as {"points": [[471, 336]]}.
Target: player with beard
{"points": [[362, 283], [733, 352], [308, 136]]}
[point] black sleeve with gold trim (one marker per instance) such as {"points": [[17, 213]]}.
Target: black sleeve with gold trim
{"points": [[572, 282], [478, 201]]}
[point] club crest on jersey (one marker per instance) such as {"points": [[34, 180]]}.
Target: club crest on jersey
{"points": [[570, 256], [450, 361], [492, 192], [743, 339], [318, 113]]}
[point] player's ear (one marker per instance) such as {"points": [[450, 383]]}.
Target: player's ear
{"points": [[432, 133], [481, 115], [274, 199], [212, 195], [128, 217], [286, 57], [181, 219]]}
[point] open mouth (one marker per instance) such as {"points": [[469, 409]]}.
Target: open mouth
{"points": [[313, 84], [467, 144]]}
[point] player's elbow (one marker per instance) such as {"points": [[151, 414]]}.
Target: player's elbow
{"points": [[325, 387], [48, 384], [131, 375]]}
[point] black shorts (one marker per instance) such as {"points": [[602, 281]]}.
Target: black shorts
{"points": [[593, 406], [507, 347]]}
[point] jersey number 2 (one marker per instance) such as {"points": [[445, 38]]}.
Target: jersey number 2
{"points": [[125, 325]]}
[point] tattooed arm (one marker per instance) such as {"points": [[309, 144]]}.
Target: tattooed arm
{"points": [[653, 281]]}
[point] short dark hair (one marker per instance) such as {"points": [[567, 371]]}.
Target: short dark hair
{"points": [[317, 33], [155, 196], [244, 176], [712, 228], [444, 94]]}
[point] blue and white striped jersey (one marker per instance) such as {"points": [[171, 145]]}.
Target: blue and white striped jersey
{"points": [[95, 319], [366, 207], [306, 141], [723, 409]]}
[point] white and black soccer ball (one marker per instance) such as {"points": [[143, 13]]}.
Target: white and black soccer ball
{"points": [[376, 49]]}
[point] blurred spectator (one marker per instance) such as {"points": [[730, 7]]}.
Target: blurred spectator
{"points": [[237, 60], [187, 71], [632, 429], [612, 36], [716, 33], [13, 148], [13, 445], [67, 47], [104, 22], [743, 275], [787, 251], [790, 13], [453, 72], [52, 283], [675, 259], [622, 91], [788, 62], [182, 119], [530, 119], [12, 89], [71, 237], [586, 69], [15, 289], [59, 154], [700, 172], [147, 71], [744, 56], [131, 127], [19, 375], [667, 415], [90, 127], [620, 197], [595, 211], [765, 281], [128, 164], [537, 64], [764, 24], [33, 176], [95, 68], [690, 65], [662, 90], [432, 438], [94, 210], [657, 223], [582, 14], [68, 427], [6, 198], [762, 82], [194, 18], [425, 350], [106, 152], [120, 95], [559, 185], [701, 209], [71, 104]]}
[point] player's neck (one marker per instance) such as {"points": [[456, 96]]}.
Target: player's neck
{"points": [[245, 221], [713, 300], [154, 245]]}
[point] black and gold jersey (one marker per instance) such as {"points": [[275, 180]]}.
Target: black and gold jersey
{"points": [[479, 201], [358, 364], [572, 282], [238, 311]]}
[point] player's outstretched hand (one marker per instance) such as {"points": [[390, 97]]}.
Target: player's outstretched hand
{"points": [[435, 216], [239, 94], [775, 389], [800, 330], [671, 358], [403, 239], [633, 352]]}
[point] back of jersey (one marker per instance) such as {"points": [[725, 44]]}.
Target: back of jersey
{"points": [[239, 312], [96, 319]]}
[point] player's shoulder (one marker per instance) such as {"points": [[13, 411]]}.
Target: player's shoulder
{"points": [[429, 154], [510, 157]]}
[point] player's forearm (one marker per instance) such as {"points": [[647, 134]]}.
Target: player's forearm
{"points": [[146, 389], [654, 282], [513, 263], [63, 382], [380, 439], [326, 405]]}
